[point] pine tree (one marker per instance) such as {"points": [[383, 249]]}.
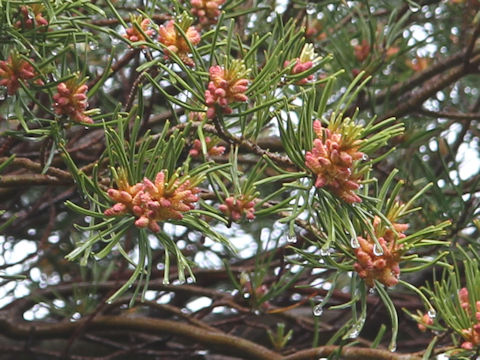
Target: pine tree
{"points": [[239, 179]]}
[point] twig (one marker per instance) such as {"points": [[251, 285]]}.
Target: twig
{"points": [[242, 142]]}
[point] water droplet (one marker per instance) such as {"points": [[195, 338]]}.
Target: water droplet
{"points": [[355, 331], [414, 7], [318, 310], [354, 243], [115, 41], [432, 313], [93, 46], [356, 328], [256, 312], [377, 250], [324, 251], [310, 8], [353, 334], [372, 291], [291, 238], [365, 157]]}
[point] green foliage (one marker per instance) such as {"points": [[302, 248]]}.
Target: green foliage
{"points": [[322, 138]]}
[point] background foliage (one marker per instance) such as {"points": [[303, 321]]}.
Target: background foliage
{"points": [[252, 250]]}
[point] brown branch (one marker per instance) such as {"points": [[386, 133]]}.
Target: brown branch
{"points": [[470, 46], [416, 98], [242, 142], [223, 343], [418, 79], [353, 353], [89, 140], [8, 143], [31, 179], [449, 115], [134, 88], [31, 165]]}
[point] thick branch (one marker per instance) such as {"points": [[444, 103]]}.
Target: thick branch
{"points": [[31, 165], [417, 79], [416, 98], [224, 343], [353, 353], [471, 46], [31, 179], [451, 115]]}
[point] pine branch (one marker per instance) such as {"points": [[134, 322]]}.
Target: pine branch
{"points": [[417, 97], [223, 343], [31, 165], [32, 179], [350, 353]]}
